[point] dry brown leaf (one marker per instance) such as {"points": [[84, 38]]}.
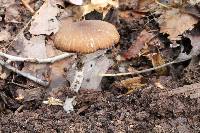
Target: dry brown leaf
{"points": [[4, 36], [174, 23], [45, 21], [132, 83], [100, 6], [135, 48], [157, 60], [147, 5], [6, 3], [12, 14], [57, 75]]}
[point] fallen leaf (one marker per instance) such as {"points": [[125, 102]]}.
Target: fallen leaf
{"points": [[174, 23], [147, 5], [6, 3], [100, 6], [157, 60], [45, 21], [132, 83], [4, 36], [135, 48], [12, 14], [33, 48]]}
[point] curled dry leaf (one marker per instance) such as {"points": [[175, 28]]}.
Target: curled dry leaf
{"points": [[135, 48], [102, 6], [45, 21], [174, 23]]}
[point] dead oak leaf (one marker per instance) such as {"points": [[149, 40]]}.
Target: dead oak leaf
{"points": [[174, 23]]}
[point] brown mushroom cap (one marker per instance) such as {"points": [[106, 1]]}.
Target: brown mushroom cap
{"points": [[86, 36]]}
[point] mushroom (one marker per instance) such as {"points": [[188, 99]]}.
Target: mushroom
{"points": [[85, 37]]}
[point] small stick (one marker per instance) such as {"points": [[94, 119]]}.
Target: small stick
{"points": [[26, 4], [27, 75], [36, 60], [137, 72]]}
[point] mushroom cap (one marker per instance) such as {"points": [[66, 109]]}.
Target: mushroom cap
{"points": [[86, 36]]}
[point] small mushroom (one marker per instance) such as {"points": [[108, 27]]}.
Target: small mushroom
{"points": [[86, 36]]}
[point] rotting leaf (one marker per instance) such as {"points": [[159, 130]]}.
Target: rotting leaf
{"points": [[174, 23], [132, 83], [157, 60], [135, 48]]}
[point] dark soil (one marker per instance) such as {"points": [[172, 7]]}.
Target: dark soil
{"points": [[111, 110]]}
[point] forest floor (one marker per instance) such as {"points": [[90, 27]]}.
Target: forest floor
{"points": [[163, 100]]}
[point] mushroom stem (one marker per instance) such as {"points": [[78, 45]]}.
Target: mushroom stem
{"points": [[78, 78]]}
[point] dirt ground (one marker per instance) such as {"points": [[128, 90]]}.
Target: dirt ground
{"points": [[147, 109]]}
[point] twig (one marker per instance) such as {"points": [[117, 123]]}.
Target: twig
{"points": [[138, 72], [36, 60], [26, 4], [27, 75], [178, 60]]}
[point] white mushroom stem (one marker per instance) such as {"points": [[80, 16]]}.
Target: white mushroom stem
{"points": [[78, 79], [27, 75], [36, 60]]}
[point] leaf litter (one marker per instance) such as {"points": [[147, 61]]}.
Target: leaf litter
{"points": [[140, 54]]}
